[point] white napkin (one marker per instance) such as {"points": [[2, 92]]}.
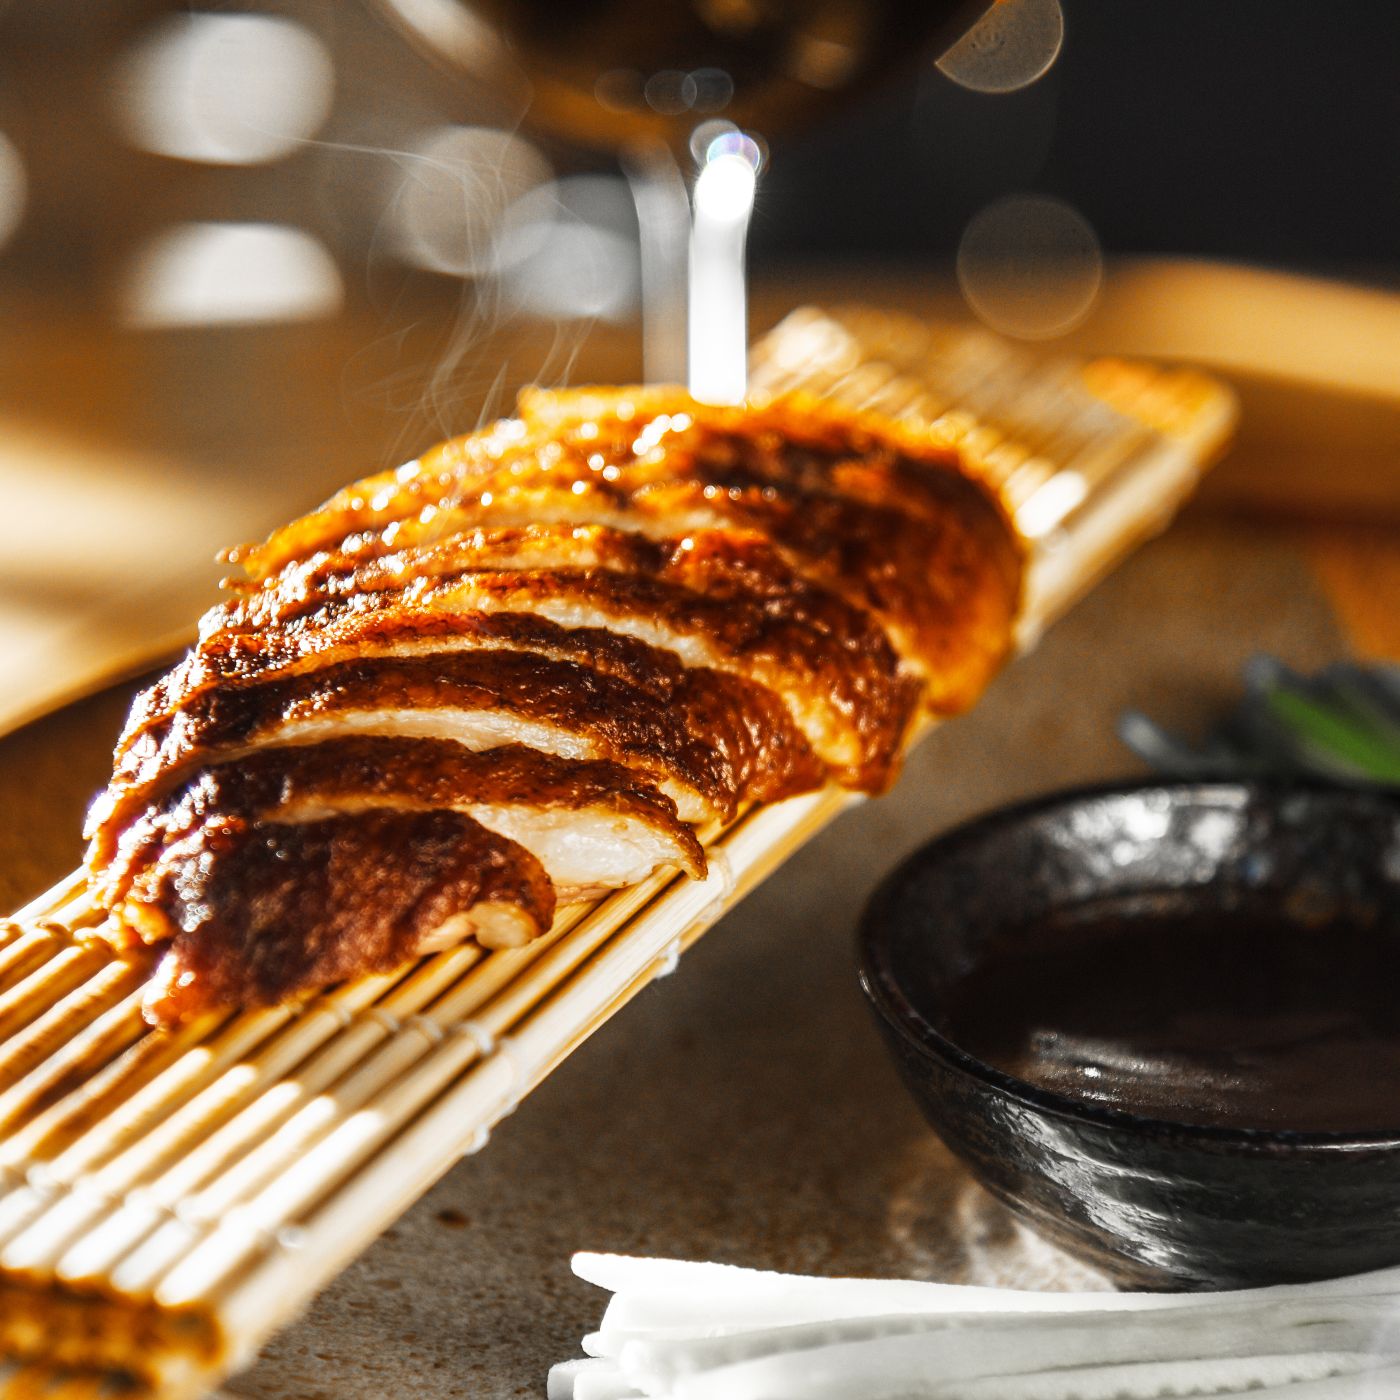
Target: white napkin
{"points": [[689, 1331]]}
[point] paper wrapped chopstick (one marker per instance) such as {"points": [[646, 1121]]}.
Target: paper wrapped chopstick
{"points": [[682, 1331]]}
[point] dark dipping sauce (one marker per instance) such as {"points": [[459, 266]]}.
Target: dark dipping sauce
{"points": [[1220, 1018]]}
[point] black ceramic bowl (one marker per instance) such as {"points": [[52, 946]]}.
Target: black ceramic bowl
{"points": [[1157, 1204]]}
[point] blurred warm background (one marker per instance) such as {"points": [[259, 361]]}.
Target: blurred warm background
{"points": [[251, 250]]}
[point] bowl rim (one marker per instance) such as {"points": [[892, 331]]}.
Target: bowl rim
{"points": [[898, 1011]]}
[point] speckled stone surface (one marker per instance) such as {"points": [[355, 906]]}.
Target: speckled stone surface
{"points": [[744, 1109]]}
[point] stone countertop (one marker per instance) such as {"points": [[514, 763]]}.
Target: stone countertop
{"points": [[743, 1109]]}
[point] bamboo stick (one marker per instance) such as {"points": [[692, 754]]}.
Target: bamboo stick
{"points": [[27, 951], [108, 1007]]}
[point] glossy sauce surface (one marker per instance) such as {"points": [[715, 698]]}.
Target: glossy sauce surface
{"points": [[1228, 1019]]}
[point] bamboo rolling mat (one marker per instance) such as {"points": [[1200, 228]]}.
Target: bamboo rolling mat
{"points": [[167, 1200]]}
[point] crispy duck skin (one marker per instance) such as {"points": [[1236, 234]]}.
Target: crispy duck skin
{"points": [[945, 588], [779, 761], [279, 910], [649, 434], [716, 598], [536, 654], [480, 699], [870, 509], [591, 825]]}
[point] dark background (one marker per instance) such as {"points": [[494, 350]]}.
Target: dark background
{"points": [[1263, 130], [1255, 130]]}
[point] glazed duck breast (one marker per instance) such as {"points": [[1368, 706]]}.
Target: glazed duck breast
{"points": [[520, 671]]}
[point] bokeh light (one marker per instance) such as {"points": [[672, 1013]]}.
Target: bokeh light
{"points": [[568, 251], [725, 187], [454, 30], [704, 135], [1030, 266], [225, 89], [739, 144], [670, 91], [1015, 43], [14, 188], [457, 185], [229, 273], [821, 62], [723, 200]]}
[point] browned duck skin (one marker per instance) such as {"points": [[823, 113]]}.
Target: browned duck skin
{"points": [[860, 504], [658, 433], [591, 825], [716, 599], [284, 909], [944, 589], [620, 592], [386, 496], [772, 752], [481, 700]]}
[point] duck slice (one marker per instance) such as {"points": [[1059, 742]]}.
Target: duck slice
{"points": [[749, 722], [944, 589], [889, 521], [716, 599], [481, 700], [591, 825], [284, 908]]}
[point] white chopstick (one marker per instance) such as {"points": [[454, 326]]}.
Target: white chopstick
{"points": [[715, 1332]]}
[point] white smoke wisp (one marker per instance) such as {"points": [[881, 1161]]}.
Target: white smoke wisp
{"points": [[526, 264], [563, 256]]}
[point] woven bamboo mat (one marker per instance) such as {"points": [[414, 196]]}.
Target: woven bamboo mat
{"points": [[170, 1199]]}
